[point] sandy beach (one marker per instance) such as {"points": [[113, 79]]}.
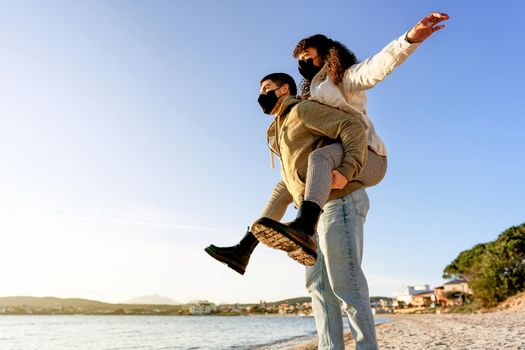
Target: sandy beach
{"points": [[417, 332], [494, 331]]}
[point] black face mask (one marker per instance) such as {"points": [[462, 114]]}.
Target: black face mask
{"points": [[268, 101], [307, 68]]}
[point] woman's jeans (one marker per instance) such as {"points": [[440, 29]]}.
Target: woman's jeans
{"points": [[336, 280]]}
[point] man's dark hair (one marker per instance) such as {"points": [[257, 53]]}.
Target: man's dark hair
{"points": [[280, 79]]}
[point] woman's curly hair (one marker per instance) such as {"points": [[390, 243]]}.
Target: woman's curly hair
{"points": [[338, 57]]}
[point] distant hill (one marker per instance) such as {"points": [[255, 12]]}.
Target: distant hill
{"points": [[53, 302], [59, 306], [152, 300]]}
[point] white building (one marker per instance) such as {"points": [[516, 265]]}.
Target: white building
{"points": [[405, 297], [202, 308]]}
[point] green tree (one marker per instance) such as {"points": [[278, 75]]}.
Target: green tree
{"points": [[494, 270], [464, 266]]}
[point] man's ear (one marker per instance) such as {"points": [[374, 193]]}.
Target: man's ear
{"points": [[287, 91]]}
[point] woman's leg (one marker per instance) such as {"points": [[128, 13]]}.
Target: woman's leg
{"points": [[374, 170], [321, 163]]}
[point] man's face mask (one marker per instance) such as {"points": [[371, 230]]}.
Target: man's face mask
{"points": [[307, 68], [268, 101]]}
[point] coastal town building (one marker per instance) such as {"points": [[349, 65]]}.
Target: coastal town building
{"points": [[424, 299], [455, 292], [285, 309], [203, 307], [405, 297], [458, 285]]}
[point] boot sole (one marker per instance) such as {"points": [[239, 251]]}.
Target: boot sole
{"points": [[303, 257], [276, 240], [230, 263]]}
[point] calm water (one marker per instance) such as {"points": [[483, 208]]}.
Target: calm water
{"points": [[152, 332], [149, 332]]}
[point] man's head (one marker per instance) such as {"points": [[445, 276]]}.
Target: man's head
{"points": [[274, 89]]}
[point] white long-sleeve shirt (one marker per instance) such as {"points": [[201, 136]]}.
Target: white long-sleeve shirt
{"points": [[349, 95]]}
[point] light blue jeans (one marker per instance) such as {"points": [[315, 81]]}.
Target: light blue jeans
{"points": [[337, 280]]}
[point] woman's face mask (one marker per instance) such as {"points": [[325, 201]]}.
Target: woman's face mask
{"points": [[308, 69]]}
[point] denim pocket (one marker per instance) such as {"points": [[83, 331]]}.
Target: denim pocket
{"points": [[361, 202]]}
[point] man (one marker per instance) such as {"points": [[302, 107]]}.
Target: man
{"points": [[299, 128], [336, 279]]}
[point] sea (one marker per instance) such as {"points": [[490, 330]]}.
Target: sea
{"points": [[79, 332]]}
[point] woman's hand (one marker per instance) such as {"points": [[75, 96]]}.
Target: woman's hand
{"points": [[424, 28], [339, 181]]}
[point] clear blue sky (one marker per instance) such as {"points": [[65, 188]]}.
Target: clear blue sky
{"points": [[131, 138]]}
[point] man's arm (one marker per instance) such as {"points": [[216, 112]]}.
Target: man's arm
{"points": [[375, 69], [349, 129]]}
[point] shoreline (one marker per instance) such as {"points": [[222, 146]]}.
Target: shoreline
{"points": [[307, 342]]}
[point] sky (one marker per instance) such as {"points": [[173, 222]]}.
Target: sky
{"points": [[131, 139]]}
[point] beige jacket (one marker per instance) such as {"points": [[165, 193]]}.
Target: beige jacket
{"points": [[301, 127], [349, 95]]}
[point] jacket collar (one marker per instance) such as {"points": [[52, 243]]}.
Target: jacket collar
{"points": [[288, 103], [319, 77]]}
